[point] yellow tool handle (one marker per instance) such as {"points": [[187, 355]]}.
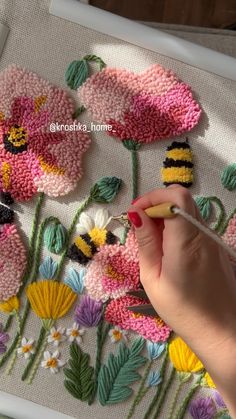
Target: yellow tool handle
{"points": [[164, 210]]}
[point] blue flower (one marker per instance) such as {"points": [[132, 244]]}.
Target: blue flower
{"points": [[155, 349], [48, 268], [75, 280], [154, 379]]}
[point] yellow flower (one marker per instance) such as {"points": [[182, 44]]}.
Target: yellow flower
{"points": [[183, 359], [50, 299], [209, 381], [12, 304]]}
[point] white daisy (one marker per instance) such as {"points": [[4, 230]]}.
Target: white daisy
{"points": [[116, 334], [52, 361], [56, 335], [75, 333], [87, 223], [26, 348]]}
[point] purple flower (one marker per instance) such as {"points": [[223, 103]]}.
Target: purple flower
{"points": [[202, 408], [89, 312], [4, 337], [220, 402]]}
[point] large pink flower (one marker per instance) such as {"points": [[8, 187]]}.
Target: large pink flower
{"points": [[152, 328], [33, 159], [12, 261], [114, 270], [144, 107]]}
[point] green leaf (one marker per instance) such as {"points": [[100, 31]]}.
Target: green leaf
{"points": [[79, 377], [204, 206], [119, 373], [106, 189], [76, 74], [228, 177]]}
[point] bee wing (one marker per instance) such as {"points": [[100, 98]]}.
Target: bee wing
{"points": [[101, 218], [85, 224]]}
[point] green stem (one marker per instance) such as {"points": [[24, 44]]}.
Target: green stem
{"points": [[134, 155], [220, 413], [14, 356], [101, 337], [174, 401], [30, 258], [221, 218], [85, 204], [41, 350], [141, 393], [183, 407], [163, 394], [41, 338], [157, 394], [225, 224]]}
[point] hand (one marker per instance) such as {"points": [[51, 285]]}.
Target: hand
{"points": [[190, 282]]}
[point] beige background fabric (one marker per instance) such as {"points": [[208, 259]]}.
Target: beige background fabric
{"points": [[46, 45]]}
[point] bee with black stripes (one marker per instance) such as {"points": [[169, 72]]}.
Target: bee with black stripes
{"points": [[91, 235], [178, 165]]}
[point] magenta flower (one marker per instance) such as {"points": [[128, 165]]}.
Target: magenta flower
{"points": [[32, 158], [12, 261], [114, 270], [202, 408], [89, 312], [144, 107], [152, 328], [4, 337]]}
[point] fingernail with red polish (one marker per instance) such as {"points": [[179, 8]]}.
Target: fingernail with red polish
{"points": [[135, 200], [135, 219]]}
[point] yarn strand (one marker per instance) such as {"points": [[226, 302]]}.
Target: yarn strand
{"points": [[205, 230]]}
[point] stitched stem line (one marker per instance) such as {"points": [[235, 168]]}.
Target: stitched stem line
{"points": [[141, 391], [225, 224], [101, 337], [174, 401], [221, 218], [14, 356], [134, 156], [157, 395], [85, 204], [33, 356], [183, 407], [41, 350], [30, 258], [163, 394]]}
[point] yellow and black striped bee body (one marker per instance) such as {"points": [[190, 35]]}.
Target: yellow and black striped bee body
{"points": [[86, 245], [178, 165]]}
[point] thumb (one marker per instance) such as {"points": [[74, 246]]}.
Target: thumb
{"points": [[149, 236]]}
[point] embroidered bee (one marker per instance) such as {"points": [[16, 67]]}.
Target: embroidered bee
{"points": [[91, 235], [178, 165]]}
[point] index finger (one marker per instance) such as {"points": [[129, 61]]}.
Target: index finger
{"points": [[182, 198]]}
